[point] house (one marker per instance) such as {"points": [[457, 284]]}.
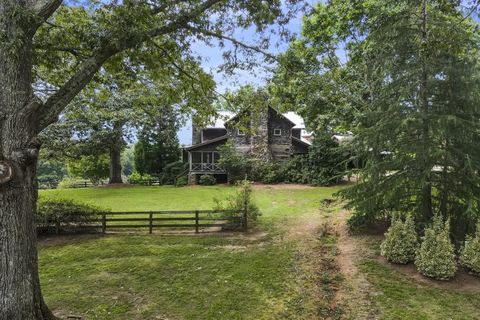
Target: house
{"points": [[271, 136]]}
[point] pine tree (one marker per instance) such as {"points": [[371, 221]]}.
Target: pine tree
{"points": [[157, 144], [408, 90], [470, 255]]}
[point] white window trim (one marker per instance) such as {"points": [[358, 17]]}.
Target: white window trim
{"points": [[240, 132], [277, 130]]}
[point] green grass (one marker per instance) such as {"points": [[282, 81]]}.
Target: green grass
{"points": [[399, 297], [273, 275], [181, 277]]}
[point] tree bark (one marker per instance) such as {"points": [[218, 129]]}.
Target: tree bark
{"points": [[115, 166], [20, 294], [426, 192], [116, 147]]}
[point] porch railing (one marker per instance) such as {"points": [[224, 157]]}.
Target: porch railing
{"points": [[206, 167]]}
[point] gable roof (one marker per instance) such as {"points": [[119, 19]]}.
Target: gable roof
{"points": [[222, 117], [206, 143], [219, 120]]}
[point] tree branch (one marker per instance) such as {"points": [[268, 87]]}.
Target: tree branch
{"points": [[58, 101], [233, 40], [45, 8]]}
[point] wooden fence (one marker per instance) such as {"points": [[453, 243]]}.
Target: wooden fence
{"points": [[151, 220], [53, 184]]}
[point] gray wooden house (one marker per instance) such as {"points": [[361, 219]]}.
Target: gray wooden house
{"points": [[272, 136]]}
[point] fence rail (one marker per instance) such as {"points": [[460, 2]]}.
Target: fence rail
{"points": [[53, 184], [151, 220]]}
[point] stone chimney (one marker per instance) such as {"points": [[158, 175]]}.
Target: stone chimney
{"points": [[196, 135], [259, 143]]}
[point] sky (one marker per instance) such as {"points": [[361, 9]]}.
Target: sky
{"points": [[256, 77]]}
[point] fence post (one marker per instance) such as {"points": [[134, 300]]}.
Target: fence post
{"points": [[85, 184], [196, 221], [151, 223], [245, 219], [104, 223], [57, 226]]}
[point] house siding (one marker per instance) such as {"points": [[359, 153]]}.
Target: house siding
{"points": [[212, 133]]}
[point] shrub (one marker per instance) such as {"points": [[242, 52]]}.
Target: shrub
{"points": [[239, 201], [400, 241], [137, 176], [436, 257], [207, 180], [69, 212], [181, 181], [235, 163], [69, 182], [470, 255]]}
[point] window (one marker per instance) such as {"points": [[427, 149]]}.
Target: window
{"points": [[240, 132], [277, 132]]}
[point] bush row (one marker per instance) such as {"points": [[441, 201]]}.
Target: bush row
{"points": [[434, 256], [70, 213]]}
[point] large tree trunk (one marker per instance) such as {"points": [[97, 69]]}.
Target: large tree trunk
{"points": [[20, 295], [115, 165], [116, 154]]}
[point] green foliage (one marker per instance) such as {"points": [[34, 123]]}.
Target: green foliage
{"points": [[66, 211], [92, 167], [324, 165], [181, 181], [157, 144], [236, 164], [400, 243], [50, 170], [470, 254], [69, 182], [137, 176], [128, 161], [407, 90], [436, 256], [207, 180], [171, 171], [240, 201]]}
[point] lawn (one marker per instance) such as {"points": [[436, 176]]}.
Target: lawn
{"points": [[289, 267], [182, 277]]}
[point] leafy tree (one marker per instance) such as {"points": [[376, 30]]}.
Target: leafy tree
{"points": [[43, 67], [157, 144], [94, 168], [235, 163], [407, 87], [103, 119], [128, 160], [51, 170]]}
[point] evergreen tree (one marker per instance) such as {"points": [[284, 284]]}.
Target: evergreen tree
{"points": [[436, 256], [157, 144], [400, 241], [408, 88], [470, 255]]}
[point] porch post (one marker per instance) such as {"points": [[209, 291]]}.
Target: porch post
{"points": [[190, 161]]}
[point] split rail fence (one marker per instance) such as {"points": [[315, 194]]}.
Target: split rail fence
{"points": [[155, 220]]}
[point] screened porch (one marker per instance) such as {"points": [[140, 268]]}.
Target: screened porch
{"points": [[204, 162]]}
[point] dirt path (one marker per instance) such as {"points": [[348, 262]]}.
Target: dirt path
{"points": [[355, 295]]}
